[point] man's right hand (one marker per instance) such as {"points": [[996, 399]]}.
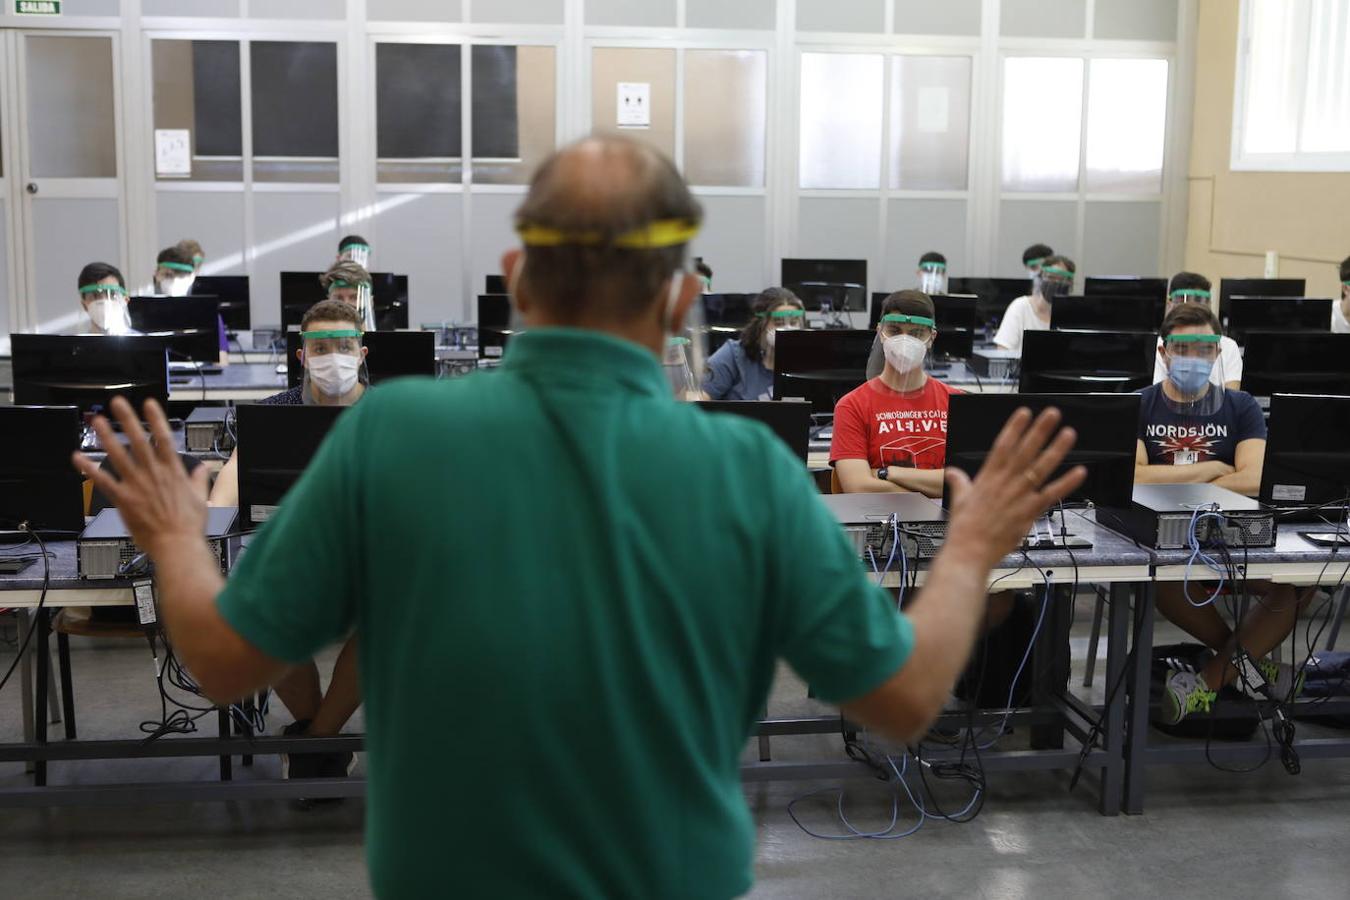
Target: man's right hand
{"points": [[992, 515]]}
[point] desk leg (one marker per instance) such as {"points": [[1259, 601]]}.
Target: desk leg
{"points": [[1136, 750], [24, 620], [1046, 666], [226, 762], [1113, 733], [44, 677]]}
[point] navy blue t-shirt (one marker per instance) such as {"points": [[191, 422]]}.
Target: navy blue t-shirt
{"points": [[1173, 439]]}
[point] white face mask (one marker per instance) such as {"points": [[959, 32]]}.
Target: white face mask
{"points": [[904, 352], [177, 287], [109, 316], [333, 374]]}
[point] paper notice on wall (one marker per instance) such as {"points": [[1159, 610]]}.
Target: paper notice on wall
{"points": [[634, 108], [932, 110], [173, 151]]}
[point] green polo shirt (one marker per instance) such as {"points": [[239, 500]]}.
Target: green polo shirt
{"points": [[570, 592]]}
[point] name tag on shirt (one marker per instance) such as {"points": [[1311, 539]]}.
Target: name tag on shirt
{"points": [[1185, 458]]}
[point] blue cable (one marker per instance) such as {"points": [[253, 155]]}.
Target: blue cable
{"points": [[1012, 689], [904, 563], [1197, 552]]}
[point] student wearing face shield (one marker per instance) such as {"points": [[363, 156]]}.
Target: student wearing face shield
{"points": [[1192, 429], [1034, 256], [175, 272], [354, 249], [1053, 279], [103, 297], [349, 283], [704, 274], [742, 368], [932, 273], [1340, 310], [1188, 287]]}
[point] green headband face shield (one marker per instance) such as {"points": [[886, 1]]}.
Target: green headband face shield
{"points": [[1194, 338], [338, 340], [783, 314], [898, 319], [177, 266], [339, 283], [1056, 272], [1034, 263], [933, 266], [1190, 295], [110, 289]]}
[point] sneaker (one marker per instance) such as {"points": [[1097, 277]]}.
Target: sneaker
{"points": [[1276, 681], [337, 765], [300, 765], [1183, 694]]}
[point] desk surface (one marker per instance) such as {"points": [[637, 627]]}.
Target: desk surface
{"points": [[238, 381], [1293, 560]]}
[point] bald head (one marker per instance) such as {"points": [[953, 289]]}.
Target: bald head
{"points": [[606, 186]]}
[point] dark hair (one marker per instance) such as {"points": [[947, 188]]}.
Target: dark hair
{"points": [[604, 187], [352, 239], [350, 272], [908, 303], [1185, 315], [1187, 281], [1345, 270], [97, 271], [932, 256], [331, 311], [175, 254], [703, 268], [1036, 251], [769, 299]]}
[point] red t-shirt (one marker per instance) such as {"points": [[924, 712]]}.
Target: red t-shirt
{"points": [[889, 428]]}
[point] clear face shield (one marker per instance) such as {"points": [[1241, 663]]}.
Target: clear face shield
{"points": [[933, 278], [1034, 266], [905, 340], [1195, 374], [1198, 296], [106, 305], [333, 361], [358, 296], [1052, 282], [176, 279], [357, 253], [785, 319]]}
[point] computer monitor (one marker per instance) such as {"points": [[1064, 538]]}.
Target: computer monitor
{"points": [[275, 445], [1130, 286], [301, 290], [1087, 362], [190, 325], [839, 285], [1107, 426], [1258, 287], [1294, 362], [492, 342], [494, 311], [1106, 313], [88, 370], [495, 284], [790, 420], [232, 290], [38, 485], [994, 293], [1307, 463], [1276, 314], [728, 311], [390, 354], [820, 366]]}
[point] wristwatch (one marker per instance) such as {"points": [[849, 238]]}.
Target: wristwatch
{"points": [[884, 473]]}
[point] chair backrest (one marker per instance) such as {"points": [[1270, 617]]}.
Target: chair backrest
{"points": [[98, 502]]}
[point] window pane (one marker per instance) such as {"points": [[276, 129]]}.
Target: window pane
{"points": [[841, 121], [514, 111], [1326, 112], [654, 67], [724, 140], [196, 88], [1042, 120], [1127, 119], [930, 122], [1276, 40], [295, 111], [417, 113], [71, 129]]}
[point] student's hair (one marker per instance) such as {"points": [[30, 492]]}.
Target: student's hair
{"points": [[352, 239], [331, 311], [932, 256], [1187, 281], [1189, 315], [908, 303], [97, 271], [193, 249], [703, 268], [604, 186], [175, 254], [1036, 251], [350, 272], [1345, 270], [769, 299], [1059, 262]]}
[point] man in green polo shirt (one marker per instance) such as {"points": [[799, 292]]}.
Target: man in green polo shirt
{"points": [[570, 589]]}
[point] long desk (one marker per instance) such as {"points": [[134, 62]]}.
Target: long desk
{"points": [[237, 381]]}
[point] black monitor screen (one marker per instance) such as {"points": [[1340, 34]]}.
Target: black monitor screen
{"points": [[1276, 314], [88, 370], [495, 284], [790, 421], [995, 294], [820, 366], [301, 290], [733, 311], [494, 311], [1107, 426], [1075, 362], [1307, 454], [190, 325], [1258, 287], [828, 284], [1119, 313], [232, 290], [275, 445], [38, 485], [492, 342], [956, 316], [390, 354], [1296, 363], [1127, 286]]}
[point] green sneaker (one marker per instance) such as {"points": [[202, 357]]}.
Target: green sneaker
{"points": [[1281, 682], [1183, 694]]}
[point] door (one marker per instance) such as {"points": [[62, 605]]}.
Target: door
{"points": [[69, 170]]}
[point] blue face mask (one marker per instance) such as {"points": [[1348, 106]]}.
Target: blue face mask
{"points": [[1189, 374]]}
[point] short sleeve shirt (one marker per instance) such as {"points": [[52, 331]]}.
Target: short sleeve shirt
{"points": [[1172, 438], [733, 375], [890, 428], [1020, 316], [569, 593], [1339, 323]]}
